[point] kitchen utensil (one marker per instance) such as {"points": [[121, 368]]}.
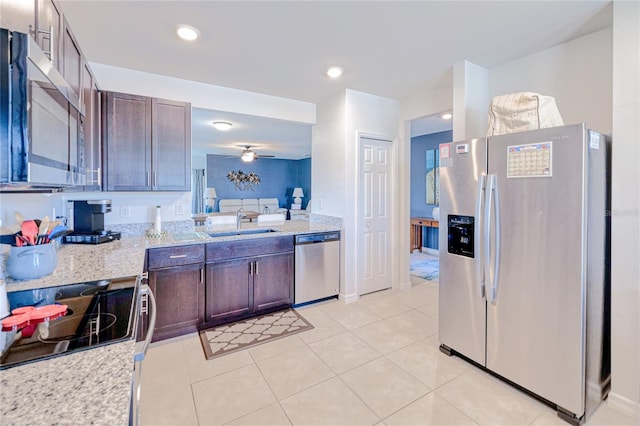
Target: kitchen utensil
{"points": [[8, 239], [56, 230], [30, 231], [59, 234], [44, 226], [21, 240], [19, 218]]}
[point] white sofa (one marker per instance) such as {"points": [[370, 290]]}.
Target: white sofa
{"points": [[258, 205]]}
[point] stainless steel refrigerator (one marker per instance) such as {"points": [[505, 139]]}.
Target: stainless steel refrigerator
{"points": [[524, 261]]}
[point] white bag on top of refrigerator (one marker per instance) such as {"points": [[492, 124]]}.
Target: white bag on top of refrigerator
{"points": [[518, 112]]}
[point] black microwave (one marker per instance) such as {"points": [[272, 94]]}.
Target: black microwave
{"points": [[41, 138]]}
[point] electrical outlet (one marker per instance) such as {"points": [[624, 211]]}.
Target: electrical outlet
{"points": [[179, 209], [125, 211]]}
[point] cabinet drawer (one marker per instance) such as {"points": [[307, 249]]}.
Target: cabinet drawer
{"points": [[249, 247], [175, 256]]}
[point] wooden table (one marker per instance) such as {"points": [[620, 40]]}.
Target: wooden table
{"points": [[416, 230]]}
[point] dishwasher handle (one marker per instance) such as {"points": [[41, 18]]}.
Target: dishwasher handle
{"points": [[316, 238]]}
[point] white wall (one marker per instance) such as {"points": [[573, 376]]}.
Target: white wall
{"points": [[328, 168], [202, 95], [625, 256], [141, 205], [372, 116], [577, 73], [470, 100], [334, 173]]}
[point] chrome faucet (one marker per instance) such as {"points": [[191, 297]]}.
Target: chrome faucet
{"points": [[239, 216]]}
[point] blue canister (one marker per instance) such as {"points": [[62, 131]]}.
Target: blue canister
{"points": [[30, 262]]}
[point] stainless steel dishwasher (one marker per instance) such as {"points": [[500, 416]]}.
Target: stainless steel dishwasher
{"points": [[317, 266]]}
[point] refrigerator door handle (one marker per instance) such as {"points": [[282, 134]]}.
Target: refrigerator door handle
{"points": [[478, 235], [486, 228], [494, 201]]}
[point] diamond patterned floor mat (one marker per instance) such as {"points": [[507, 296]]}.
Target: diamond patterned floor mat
{"points": [[228, 338]]}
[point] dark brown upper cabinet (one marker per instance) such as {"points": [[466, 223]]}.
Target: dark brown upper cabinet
{"points": [[147, 143], [48, 31]]}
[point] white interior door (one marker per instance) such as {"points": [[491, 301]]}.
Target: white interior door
{"points": [[374, 215]]}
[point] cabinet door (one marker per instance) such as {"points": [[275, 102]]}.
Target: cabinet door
{"points": [[71, 59], [228, 290], [92, 145], [272, 281], [179, 293], [171, 145], [127, 142], [48, 30]]}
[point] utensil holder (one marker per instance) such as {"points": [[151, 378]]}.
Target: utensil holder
{"points": [[30, 262]]}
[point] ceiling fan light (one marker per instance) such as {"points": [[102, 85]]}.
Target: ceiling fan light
{"points": [[248, 155], [222, 125]]}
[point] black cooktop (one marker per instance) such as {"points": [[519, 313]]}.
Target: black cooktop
{"points": [[98, 313]]}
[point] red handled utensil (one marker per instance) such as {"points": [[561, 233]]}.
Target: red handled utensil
{"points": [[30, 231]]}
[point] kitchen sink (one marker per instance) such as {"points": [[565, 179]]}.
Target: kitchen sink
{"points": [[242, 232]]}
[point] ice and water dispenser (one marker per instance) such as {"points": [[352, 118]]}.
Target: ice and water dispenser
{"points": [[460, 231]]}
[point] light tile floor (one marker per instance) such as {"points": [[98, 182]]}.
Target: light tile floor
{"points": [[373, 362]]}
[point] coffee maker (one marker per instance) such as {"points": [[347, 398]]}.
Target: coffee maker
{"points": [[88, 223]]}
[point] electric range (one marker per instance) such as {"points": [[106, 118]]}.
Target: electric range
{"points": [[98, 313]]}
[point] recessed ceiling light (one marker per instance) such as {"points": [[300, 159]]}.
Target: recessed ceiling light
{"points": [[187, 32], [334, 72], [222, 125], [447, 116]]}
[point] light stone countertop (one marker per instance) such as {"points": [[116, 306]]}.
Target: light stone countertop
{"points": [[124, 258], [94, 386], [86, 387]]}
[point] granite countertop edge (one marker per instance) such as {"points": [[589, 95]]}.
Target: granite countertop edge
{"points": [[125, 257]]}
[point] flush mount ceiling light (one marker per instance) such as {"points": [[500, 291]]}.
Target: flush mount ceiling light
{"points": [[334, 72], [188, 33], [222, 125], [447, 116]]}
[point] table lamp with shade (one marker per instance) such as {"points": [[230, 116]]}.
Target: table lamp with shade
{"points": [[210, 198], [297, 195]]}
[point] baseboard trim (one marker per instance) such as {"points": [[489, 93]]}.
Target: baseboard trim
{"points": [[430, 251], [624, 404], [406, 284], [349, 298]]}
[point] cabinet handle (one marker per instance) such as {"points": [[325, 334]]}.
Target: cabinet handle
{"points": [[155, 180], [177, 256], [50, 52], [99, 176], [51, 44], [250, 268], [201, 275], [256, 268]]}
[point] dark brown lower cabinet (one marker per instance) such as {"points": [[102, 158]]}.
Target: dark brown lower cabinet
{"points": [[179, 290], [244, 286], [228, 285], [272, 282]]}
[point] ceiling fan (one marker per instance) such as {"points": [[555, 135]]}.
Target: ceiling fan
{"points": [[249, 155]]}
